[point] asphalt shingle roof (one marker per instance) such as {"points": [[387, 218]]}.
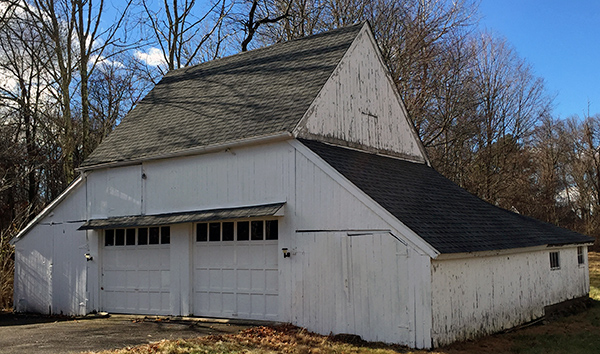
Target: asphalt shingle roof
{"points": [[256, 93], [446, 216]]}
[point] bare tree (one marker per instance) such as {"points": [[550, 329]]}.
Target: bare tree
{"points": [[262, 13], [93, 44], [183, 31], [512, 102], [55, 22]]}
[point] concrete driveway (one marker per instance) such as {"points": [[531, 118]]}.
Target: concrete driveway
{"points": [[42, 334]]}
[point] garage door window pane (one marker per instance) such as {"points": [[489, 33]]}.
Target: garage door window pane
{"points": [[257, 230], [214, 231], [271, 230], [154, 237], [165, 235], [109, 237], [201, 232], [143, 236], [120, 237], [243, 231], [227, 231], [130, 237]]}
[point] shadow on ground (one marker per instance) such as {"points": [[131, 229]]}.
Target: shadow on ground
{"points": [[28, 333]]}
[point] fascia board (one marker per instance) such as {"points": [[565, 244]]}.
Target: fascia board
{"points": [[508, 251], [263, 139], [47, 209]]}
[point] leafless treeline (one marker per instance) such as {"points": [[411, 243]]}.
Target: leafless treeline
{"points": [[71, 69]]}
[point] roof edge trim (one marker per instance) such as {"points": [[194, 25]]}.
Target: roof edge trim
{"points": [[193, 151], [42, 214], [507, 251]]}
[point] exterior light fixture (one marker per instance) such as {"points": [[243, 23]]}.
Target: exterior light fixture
{"points": [[286, 253], [88, 257]]}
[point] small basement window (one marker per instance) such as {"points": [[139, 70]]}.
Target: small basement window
{"points": [[580, 256], [554, 260]]}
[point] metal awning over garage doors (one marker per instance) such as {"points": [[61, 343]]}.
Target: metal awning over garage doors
{"points": [[274, 209]]}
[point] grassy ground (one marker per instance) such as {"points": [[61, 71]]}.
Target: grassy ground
{"points": [[578, 333]]}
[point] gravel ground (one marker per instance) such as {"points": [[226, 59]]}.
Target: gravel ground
{"points": [[44, 334]]}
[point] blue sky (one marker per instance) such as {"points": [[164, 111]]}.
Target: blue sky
{"points": [[560, 39]]}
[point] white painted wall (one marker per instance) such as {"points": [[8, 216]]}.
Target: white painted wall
{"points": [[50, 267], [314, 200], [371, 285], [114, 192], [480, 295], [359, 105]]}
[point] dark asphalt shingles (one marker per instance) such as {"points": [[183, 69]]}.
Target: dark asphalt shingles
{"points": [[256, 93], [446, 216]]}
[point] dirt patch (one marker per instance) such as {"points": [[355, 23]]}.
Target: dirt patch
{"points": [[51, 334]]}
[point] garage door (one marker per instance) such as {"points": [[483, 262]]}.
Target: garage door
{"points": [[135, 271], [235, 269]]}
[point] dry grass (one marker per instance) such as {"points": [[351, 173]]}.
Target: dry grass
{"points": [[262, 340], [578, 333], [594, 264]]}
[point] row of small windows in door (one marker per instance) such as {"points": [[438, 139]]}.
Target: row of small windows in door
{"points": [[255, 230], [145, 236]]}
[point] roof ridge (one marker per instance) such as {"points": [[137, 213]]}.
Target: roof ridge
{"points": [[256, 93], [275, 45]]}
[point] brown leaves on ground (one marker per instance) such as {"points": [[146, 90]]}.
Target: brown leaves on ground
{"points": [[285, 338]]}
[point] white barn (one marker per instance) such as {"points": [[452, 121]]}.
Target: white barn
{"points": [[287, 184]]}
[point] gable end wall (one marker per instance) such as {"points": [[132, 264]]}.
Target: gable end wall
{"points": [[360, 107], [50, 267]]}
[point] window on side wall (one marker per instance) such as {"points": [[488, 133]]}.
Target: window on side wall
{"points": [[554, 260], [580, 257]]}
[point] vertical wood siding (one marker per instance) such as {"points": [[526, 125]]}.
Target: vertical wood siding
{"points": [[237, 177], [480, 295], [360, 106], [114, 192], [50, 267], [371, 285]]}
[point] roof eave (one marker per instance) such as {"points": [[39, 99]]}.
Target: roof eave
{"points": [[47, 209], [263, 139], [507, 251]]}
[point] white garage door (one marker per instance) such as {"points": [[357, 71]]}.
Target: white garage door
{"points": [[135, 271], [235, 269]]}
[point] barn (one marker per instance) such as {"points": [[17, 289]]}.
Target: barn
{"points": [[287, 184]]}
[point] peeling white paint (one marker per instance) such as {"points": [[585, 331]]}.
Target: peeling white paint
{"points": [[359, 106], [474, 296]]}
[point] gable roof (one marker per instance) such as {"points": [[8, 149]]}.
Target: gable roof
{"points": [[253, 94], [446, 216]]}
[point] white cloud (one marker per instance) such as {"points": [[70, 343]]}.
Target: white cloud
{"points": [[153, 57], [103, 61]]}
